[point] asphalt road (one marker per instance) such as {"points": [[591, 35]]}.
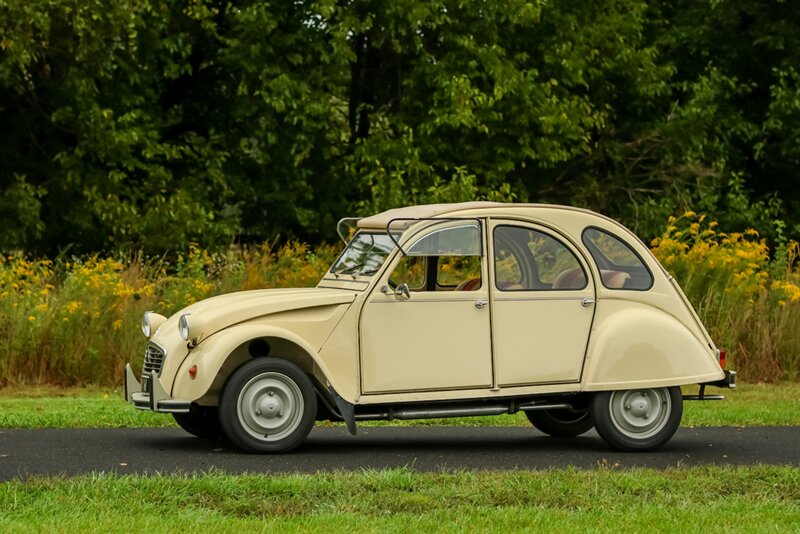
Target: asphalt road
{"points": [[26, 453]]}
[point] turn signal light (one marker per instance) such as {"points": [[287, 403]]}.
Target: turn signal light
{"points": [[722, 358], [193, 372]]}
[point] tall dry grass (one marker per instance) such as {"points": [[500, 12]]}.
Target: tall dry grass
{"points": [[76, 322], [748, 299]]}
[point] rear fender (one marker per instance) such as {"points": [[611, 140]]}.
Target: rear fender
{"points": [[637, 345]]}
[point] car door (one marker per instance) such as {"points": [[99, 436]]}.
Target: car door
{"points": [[542, 305], [426, 325]]}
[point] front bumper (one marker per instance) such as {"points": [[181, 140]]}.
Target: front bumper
{"points": [[152, 396]]}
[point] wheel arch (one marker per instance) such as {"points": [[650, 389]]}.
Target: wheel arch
{"points": [[220, 355]]}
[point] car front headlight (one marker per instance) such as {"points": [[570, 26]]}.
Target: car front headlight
{"points": [[183, 326], [151, 322]]}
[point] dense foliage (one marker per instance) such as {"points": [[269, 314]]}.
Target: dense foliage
{"points": [[141, 124]]}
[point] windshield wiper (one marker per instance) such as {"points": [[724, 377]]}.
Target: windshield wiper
{"points": [[350, 270]]}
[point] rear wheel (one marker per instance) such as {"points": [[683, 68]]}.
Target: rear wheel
{"points": [[638, 419], [268, 405], [561, 422], [201, 421]]}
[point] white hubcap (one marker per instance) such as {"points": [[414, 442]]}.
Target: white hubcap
{"points": [[640, 413], [270, 406]]}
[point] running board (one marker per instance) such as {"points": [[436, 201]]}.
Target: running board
{"points": [[434, 412]]}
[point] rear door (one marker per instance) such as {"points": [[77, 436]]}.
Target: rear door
{"points": [[543, 305]]}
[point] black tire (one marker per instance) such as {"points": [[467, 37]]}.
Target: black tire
{"points": [[268, 405], [201, 421], [561, 422], [638, 420]]}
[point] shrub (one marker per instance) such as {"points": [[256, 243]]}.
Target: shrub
{"points": [[749, 302], [76, 322]]}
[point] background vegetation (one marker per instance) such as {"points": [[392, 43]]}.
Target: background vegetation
{"points": [[75, 322], [148, 148], [147, 125]]}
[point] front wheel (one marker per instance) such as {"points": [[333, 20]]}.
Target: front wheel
{"points": [[268, 405], [638, 419]]}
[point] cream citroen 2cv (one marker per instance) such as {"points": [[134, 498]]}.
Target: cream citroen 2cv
{"points": [[440, 311]]}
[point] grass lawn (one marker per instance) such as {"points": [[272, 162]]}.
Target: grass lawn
{"points": [[48, 407], [746, 499], [606, 499]]}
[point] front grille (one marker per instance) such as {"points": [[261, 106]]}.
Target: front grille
{"points": [[153, 359]]}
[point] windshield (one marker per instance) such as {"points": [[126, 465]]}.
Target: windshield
{"points": [[364, 255]]}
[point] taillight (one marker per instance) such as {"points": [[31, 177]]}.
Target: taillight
{"points": [[193, 372], [722, 358]]}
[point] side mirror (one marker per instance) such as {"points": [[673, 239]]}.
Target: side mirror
{"points": [[401, 293]]}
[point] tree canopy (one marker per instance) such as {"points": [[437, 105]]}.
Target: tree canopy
{"points": [[141, 124]]}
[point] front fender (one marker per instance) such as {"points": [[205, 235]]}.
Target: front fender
{"points": [[219, 355], [635, 345]]}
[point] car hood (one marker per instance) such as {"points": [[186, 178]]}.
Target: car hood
{"points": [[213, 314]]}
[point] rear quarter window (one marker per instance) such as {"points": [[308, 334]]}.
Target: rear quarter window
{"points": [[619, 265]]}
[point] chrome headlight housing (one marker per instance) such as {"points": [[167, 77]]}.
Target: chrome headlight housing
{"points": [[183, 326], [151, 322]]}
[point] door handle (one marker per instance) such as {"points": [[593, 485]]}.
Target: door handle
{"points": [[480, 303], [585, 301]]}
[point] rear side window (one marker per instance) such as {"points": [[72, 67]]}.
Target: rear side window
{"points": [[529, 260], [620, 266]]}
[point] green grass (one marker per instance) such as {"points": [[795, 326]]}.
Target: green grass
{"points": [[748, 405], [740, 499]]}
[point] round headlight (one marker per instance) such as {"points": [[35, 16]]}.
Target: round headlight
{"points": [[146, 324], [151, 322], [183, 326]]}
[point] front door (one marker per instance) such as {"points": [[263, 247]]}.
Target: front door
{"points": [[543, 306], [435, 335]]}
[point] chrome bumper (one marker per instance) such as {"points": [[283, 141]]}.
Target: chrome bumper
{"points": [[152, 396]]}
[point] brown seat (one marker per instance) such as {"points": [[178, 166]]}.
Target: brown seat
{"points": [[570, 279], [510, 286], [469, 285], [575, 279], [614, 279]]}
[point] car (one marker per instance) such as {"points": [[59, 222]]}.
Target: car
{"points": [[443, 310]]}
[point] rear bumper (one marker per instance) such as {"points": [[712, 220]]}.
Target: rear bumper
{"points": [[152, 396], [728, 382]]}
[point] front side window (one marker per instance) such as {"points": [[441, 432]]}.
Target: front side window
{"points": [[445, 259], [620, 266], [529, 260], [460, 240], [410, 271], [364, 255]]}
